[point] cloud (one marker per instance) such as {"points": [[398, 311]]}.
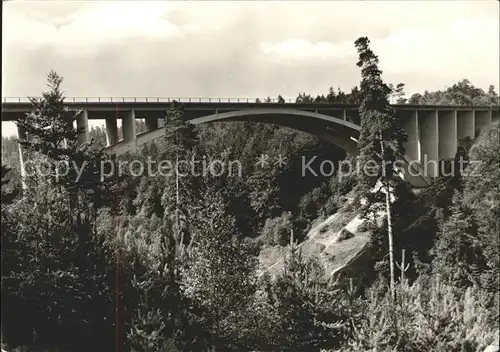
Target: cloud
{"points": [[302, 49], [460, 48], [242, 49], [91, 26]]}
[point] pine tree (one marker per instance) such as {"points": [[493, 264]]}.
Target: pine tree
{"points": [[170, 196], [180, 191], [55, 222], [219, 273], [308, 306], [481, 194], [50, 124], [170, 192], [264, 195], [457, 253], [53, 139], [381, 141]]}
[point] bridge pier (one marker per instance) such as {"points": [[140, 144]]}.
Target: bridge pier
{"points": [[482, 119], [495, 116], [447, 130], [465, 124], [22, 135], [413, 142], [151, 123], [429, 137], [344, 115], [111, 131], [129, 129], [82, 125]]}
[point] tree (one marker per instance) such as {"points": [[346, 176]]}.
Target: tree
{"points": [[308, 305], [280, 99], [57, 277], [170, 191], [481, 194], [276, 231], [381, 140], [458, 257], [331, 97], [397, 93], [219, 273], [8, 195], [50, 124], [461, 93], [304, 98], [180, 189], [161, 320], [50, 236], [76, 166], [264, 194], [171, 196]]}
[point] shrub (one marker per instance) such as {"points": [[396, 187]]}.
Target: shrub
{"points": [[324, 228], [331, 206], [344, 235], [428, 315], [311, 203], [277, 231], [366, 226]]}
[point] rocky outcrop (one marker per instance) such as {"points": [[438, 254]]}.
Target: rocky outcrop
{"points": [[492, 348], [334, 241]]}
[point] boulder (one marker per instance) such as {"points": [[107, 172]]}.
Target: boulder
{"points": [[492, 348]]}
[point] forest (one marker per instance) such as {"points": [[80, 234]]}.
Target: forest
{"points": [[221, 263]]}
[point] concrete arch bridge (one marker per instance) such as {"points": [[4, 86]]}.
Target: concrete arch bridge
{"points": [[433, 130]]}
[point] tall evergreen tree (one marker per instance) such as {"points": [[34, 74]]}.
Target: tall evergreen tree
{"points": [[50, 124], [172, 188], [55, 222], [180, 190], [53, 140], [169, 195], [381, 141]]}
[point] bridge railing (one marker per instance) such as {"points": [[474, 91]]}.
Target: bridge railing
{"points": [[147, 100]]}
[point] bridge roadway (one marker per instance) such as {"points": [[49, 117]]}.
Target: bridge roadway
{"points": [[433, 130]]}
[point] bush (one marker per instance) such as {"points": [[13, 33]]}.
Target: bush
{"points": [[324, 228], [344, 235], [428, 315], [331, 206], [311, 203], [277, 231], [366, 226]]}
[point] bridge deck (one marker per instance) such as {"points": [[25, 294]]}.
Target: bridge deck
{"points": [[12, 107]]}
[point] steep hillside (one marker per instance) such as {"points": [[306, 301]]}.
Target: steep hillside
{"points": [[335, 241], [342, 241]]}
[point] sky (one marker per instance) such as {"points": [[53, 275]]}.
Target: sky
{"points": [[244, 49]]}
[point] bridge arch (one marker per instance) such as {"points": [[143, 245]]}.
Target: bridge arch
{"points": [[339, 132], [331, 129], [328, 128]]}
